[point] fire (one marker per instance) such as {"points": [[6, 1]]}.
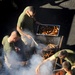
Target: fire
{"points": [[48, 50], [49, 30]]}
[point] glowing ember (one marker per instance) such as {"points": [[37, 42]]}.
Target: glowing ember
{"points": [[48, 30]]}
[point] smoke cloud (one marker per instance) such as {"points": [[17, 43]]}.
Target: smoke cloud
{"points": [[32, 63], [45, 69]]}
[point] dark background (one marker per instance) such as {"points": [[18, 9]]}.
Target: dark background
{"points": [[64, 17]]}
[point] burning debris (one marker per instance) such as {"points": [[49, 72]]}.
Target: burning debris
{"points": [[49, 50], [50, 47], [48, 30]]}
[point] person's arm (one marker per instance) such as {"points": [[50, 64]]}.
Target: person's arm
{"points": [[72, 67], [52, 58], [22, 33], [36, 22], [19, 26], [20, 30]]}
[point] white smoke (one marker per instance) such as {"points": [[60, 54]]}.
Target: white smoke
{"points": [[13, 59], [29, 69], [39, 48], [46, 68], [36, 59], [30, 42]]}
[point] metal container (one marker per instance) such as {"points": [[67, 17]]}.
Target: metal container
{"points": [[48, 30]]}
